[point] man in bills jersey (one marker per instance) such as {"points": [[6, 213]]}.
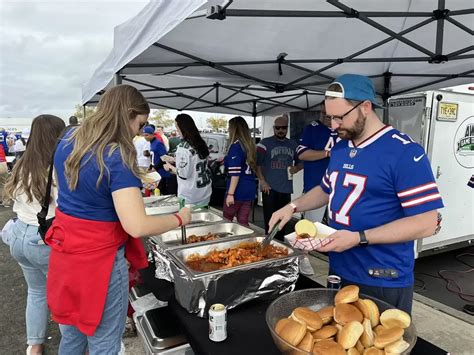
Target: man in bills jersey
{"points": [[314, 150], [381, 195]]}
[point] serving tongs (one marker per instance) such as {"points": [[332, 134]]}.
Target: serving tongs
{"points": [[266, 241], [184, 240], [160, 201], [182, 203]]}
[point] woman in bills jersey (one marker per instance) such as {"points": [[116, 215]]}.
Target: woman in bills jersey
{"points": [[194, 176], [241, 162]]}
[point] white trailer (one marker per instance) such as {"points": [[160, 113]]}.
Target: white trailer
{"points": [[443, 123]]}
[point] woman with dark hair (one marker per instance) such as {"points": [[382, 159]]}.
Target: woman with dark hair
{"points": [[26, 186], [194, 176], [241, 162]]}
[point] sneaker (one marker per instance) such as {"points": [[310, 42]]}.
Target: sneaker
{"points": [[305, 267]]}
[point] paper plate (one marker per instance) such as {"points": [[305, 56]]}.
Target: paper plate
{"points": [[152, 177], [309, 244]]}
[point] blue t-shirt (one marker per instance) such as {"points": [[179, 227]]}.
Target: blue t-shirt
{"points": [[158, 149], [3, 140], [235, 162], [385, 178], [316, 136], [87, 201], [274, 156]]}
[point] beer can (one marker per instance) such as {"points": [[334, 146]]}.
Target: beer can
{"points": [[217, 322], [290, 175], [333, 282]]}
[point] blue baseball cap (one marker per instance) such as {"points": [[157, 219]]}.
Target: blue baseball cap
{"points": [[354, 87], [148, 130]]}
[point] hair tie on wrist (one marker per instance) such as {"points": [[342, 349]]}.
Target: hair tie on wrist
{"points": [[180, 221]]}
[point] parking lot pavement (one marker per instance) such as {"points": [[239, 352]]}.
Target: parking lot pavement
{"points": [[13, 305]]}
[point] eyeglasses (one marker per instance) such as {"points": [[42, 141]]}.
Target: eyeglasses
{"points": [[339, 119], [280, 127]]}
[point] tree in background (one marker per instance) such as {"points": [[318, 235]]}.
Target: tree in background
{"points": [[161, 118], [217, 123], [79, 113]]}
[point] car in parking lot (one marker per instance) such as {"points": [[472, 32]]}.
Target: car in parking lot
{"points": [[217, 144]]}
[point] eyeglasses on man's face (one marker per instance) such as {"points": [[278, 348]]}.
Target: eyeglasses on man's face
{"points": [[339, 119], [280, 128]]}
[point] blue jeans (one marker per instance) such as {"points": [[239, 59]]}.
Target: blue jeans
{"points": [[28, 249], [108, 335]]}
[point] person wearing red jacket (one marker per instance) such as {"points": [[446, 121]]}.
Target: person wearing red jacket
{"points": [[100, 214]]}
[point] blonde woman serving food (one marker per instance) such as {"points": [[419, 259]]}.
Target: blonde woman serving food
{"points": [[100, 213]]}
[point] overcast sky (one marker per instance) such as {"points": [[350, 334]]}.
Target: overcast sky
{"points": [[49, 49]]}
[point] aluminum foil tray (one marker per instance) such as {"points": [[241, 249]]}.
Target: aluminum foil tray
{"points": [[197, 291]]}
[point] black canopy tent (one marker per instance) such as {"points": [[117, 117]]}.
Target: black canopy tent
{"points": [[255, 57]]}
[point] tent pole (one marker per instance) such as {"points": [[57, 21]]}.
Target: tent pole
{"points": [[83, 111], [254, 113], [117, 79], [386, 94], [440, 27]]}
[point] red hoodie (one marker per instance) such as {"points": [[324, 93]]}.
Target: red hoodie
{"points": [[80, 264]]}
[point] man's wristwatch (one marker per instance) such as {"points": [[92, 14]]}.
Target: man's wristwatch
{"points": [[363, 242]]}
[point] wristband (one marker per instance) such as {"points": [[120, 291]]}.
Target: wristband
{"points": [[230, 194], [180, 221], [293, 206]]}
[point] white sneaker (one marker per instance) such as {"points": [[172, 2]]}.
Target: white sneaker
{"points": [[305, 266]]}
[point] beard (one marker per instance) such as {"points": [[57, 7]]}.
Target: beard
{"points": [[280, 135], [354, 132]]}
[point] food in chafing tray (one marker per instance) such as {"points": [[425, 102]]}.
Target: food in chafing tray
{"points": [[309, 236], [200, 238], [357, 327], [243, 253]]}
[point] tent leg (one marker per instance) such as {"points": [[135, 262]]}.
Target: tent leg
{"points": [[83, 111], [117, 79], [386, 94], [254, 113]]}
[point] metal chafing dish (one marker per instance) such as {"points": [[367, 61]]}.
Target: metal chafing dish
{"points": [[161, 334], [172, 239], [197, 291], [164, 208], [204, 217]]}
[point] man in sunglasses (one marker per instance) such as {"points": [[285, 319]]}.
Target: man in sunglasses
{"points": [[381, 196], [276, 163]]}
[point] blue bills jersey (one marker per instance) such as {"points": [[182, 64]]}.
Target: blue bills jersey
{"points": [[316, 136], [383, 179], [235, 162]]}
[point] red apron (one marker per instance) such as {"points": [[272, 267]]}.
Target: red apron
{"points": [[81, 261]]}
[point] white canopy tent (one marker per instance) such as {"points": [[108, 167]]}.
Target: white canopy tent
{"points": [[255, 57]]}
